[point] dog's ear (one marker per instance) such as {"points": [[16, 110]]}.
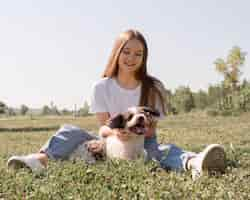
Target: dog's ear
{"points": [[117, 121], [151, 111]]}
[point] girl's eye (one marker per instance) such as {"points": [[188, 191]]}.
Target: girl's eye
{"points": [[125, 52]]}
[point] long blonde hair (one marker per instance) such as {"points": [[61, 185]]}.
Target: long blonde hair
{"points": [[151, 86]]}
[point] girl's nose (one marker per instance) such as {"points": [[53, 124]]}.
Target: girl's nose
{"points": [[131, 57]]}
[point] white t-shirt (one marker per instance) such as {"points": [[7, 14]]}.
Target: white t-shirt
{"points": [[109, 96]]}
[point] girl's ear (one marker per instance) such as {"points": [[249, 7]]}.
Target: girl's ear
{"points": [[117, 121]]}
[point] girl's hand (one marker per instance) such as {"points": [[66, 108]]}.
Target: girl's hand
{"points": [[151, 130], [105, 131]]}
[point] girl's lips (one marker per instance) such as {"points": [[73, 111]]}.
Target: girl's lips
{"points": [[131, 65]]}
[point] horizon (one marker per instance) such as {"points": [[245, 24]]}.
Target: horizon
{"points": [[53, 51]]}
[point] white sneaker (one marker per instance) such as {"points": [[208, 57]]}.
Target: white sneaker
{"points": [[29, 161], [211, 159]]}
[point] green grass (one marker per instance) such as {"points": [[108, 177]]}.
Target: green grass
{"points": [[129, 180]]}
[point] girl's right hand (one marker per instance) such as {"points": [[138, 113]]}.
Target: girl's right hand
{"points": [[105, 131]]}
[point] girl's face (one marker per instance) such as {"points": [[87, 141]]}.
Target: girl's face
{"points": [[131, 57]]}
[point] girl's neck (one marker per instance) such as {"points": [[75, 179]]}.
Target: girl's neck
{"points": [[127, 81]]}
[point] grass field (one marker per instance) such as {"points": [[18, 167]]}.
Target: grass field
{"points": [[128, 180]]}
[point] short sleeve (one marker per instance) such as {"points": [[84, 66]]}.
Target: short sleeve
{"points": [[98, 103]]}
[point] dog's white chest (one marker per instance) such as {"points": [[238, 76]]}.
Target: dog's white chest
{"points": [[129, 150]]}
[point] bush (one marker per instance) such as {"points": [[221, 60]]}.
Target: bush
{"points": [[236, 113], [212, 112], [226, 113], [183, 100], [233, 104]]}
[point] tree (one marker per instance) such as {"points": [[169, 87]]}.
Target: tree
{"points": [[11, 111], [183, 100], [168, 101], [215, 94], [230, 68], [245, 84], [55, 111], [46, 110], [24, 109], [85, 109], [201, 99], [3, 107]]}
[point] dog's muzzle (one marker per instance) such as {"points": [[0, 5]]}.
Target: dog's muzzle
{"points": [[137, 124]]}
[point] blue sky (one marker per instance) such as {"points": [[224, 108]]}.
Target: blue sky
{"points": [[55, 50]]}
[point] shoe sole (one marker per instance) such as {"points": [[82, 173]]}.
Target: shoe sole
{"points": [[214, 159]]}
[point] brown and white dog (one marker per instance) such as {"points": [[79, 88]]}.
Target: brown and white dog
{"points": [[134, 123]]}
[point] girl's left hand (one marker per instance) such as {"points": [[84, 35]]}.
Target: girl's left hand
{"points": [[151, 130]]}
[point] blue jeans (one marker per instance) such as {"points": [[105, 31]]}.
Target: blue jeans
{"points": [[169, 156], [65, 141], [68, 137]]}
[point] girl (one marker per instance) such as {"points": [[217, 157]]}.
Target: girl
{"points": [[126, 83]]}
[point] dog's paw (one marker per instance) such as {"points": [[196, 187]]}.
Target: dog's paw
{"points": [[95, 146]]}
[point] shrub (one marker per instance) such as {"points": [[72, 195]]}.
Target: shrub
{"points": [[226, 113], [212, 112]]}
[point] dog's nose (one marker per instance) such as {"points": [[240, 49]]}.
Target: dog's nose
{"points": [[141, 119]]}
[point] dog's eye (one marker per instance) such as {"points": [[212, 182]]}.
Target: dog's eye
{"points": [[147, 113], [130, 116]]}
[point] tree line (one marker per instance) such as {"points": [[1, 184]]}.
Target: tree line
{"points": [[230, 97], [45, 110]]}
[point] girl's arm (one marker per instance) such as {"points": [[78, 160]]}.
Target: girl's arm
{"points": [[104, 130], [102, 118], [151, 130]]}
